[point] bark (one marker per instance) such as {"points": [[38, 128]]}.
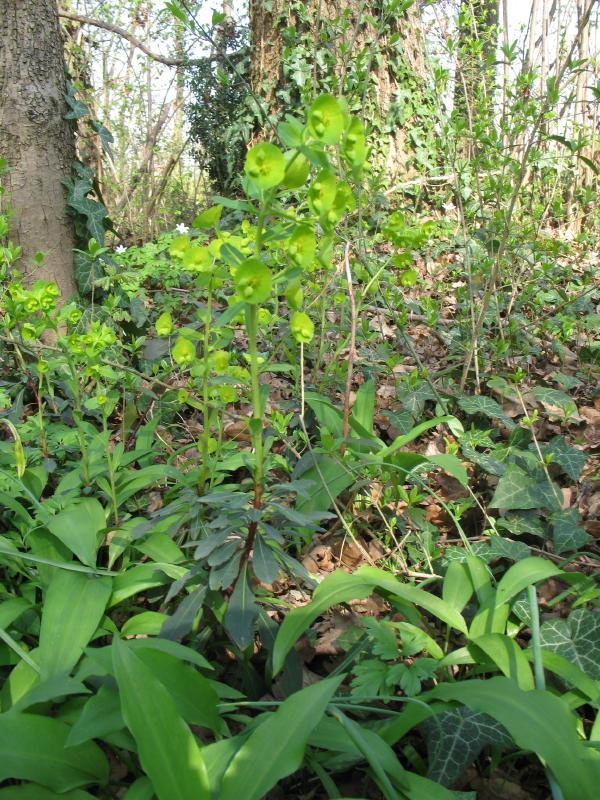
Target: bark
{"points": [[35, 139], [362, 40]]}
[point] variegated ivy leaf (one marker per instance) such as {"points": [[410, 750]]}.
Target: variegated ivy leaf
{"points": [[577, 639], [519, 489], [567, 533], [568, 458], [414, 399], [478, 404], [455, 738]]}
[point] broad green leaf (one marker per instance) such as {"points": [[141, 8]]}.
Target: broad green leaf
{"points": [[167, 750], [490, 618], [451, 464], [338, 587], [363, 408], [55, 687], [328, 415], [330, 478], [73, 607], [518, 489], [33, 791], [457, 588], [455, 738], [100, 716], [148, 623], [538, 722], [570, 673], [435, 605], [78, 527], [508, 657], [276, 747], [140, 790], [33, 748], [577, 639], [523, 574], [192, 693], [137, 579]]}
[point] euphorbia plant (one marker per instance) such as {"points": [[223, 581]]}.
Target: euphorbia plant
{"points": [[282, 241]]}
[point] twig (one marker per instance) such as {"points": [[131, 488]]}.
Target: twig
{"points": [[352, 350]]}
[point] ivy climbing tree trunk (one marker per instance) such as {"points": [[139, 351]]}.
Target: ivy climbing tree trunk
{"points": [[35, 139], [476, 61], [365, 51]]}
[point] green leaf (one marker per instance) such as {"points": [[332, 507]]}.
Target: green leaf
{"points": [[326, 119], [522, 574], [330, 477], [404, 439], [193, 694], [55, 687], [100, 716], [518, 489], [570, 673], [507, 656], [538, 722], [479, 404], [33, 748], [363, 408], [208, 218], [167, 750], [265, 165], [79, 527], [577, 639], [73, 607], [33, 791], [338, 587], [326, 413], [567, 533], [455, 738], [457, 588], [436, 606], [570, 459], [276, 747], [242, 611]]}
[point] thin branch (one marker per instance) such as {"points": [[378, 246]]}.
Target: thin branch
{"points": [[108, 26]]}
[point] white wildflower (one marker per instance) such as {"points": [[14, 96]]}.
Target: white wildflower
{"points": [[181, 228], [120, 249]]}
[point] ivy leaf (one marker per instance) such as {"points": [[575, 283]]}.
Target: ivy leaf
{"points": [[525, 522], [486, 461], [567, 534], [414, 399], [78, 109], [577, 639], [500, 547], [568, 458], [455, 738], [86, 271], [106, 137], [518, 489], [478, 404]]}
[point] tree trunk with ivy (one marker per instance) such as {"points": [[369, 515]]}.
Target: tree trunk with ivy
{"points": [[367, 52], [476, 60], [35, 139]]}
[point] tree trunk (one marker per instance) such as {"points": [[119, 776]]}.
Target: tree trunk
{"points": [[352, 48], [35, 139]]}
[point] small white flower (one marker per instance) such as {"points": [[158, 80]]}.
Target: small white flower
{"points": [[448, 206], [120, 249], [181, 228]]}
